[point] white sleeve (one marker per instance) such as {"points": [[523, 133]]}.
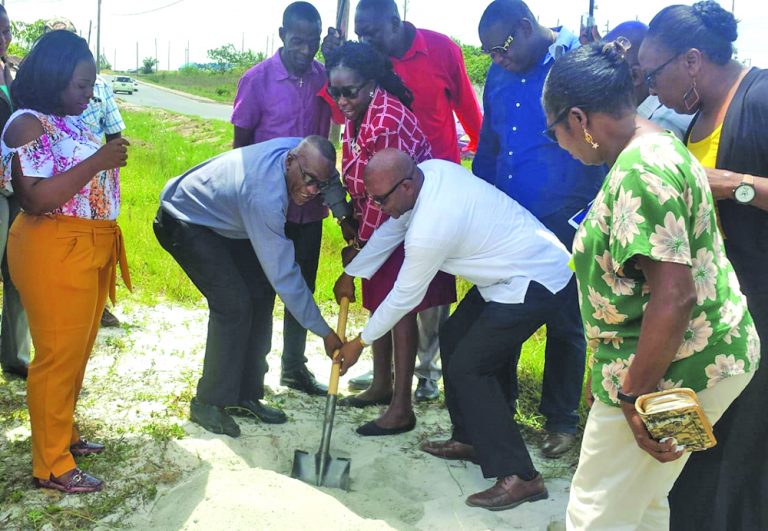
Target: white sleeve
{"points": [[380, 246], [420, 266]]}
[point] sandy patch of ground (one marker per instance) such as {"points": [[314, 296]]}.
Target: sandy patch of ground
{"points": [[138, 384]]}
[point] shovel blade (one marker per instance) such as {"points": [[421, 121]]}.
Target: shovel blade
{"points": [[308, 468]]}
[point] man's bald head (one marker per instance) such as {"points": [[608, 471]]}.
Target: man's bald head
{"points": [[633, 30], [393, 181], [382, 8]]}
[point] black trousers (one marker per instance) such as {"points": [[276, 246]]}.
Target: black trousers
{"points": [[306, 239], [476, 346], [725, 488], [240, 299]]}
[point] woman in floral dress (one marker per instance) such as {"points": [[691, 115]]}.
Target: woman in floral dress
{"points": [[64, 247], [661, 304], [376, 106]]}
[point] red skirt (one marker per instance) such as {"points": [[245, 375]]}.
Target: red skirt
{"points": [[441, 291]]}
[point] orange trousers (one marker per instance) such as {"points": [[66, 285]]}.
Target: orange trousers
{"points": [[64, 269]]}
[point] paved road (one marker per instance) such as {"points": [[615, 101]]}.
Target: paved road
{"points": [[149, 96]]}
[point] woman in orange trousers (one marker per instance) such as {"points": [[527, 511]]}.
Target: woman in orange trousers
{"points": [[64, 247]]}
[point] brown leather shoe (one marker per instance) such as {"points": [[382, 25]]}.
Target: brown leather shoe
{"points": [[73, 482], [450, 449], [509, 492], [83, 447], [557, 443]]}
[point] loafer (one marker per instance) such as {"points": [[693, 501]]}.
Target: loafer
{"points": [[371, 429], [19, 371], [426, 390], [509, 492], [450, 449], [557, 443], [354, 401], [108, 320], [83, 447], [213, 418], [73, 482], [362, 382], [263, 412], [303, 380]]}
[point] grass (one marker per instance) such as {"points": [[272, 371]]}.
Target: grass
{"points": [[218, 86]]}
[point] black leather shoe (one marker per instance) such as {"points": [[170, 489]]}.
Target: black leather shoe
{"points": [[303, 380], [263, 412], [362, 382], [19, 371], [426, 390], [108, 319], [213, 418]]}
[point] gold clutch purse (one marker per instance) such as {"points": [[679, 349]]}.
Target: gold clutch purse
{"points": [[676, 413]]}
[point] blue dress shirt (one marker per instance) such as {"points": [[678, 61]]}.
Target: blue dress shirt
{"points": [[517, 158]]}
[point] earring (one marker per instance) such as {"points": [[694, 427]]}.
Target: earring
{"points": [[589, 140], [691, 97], [370, 94]]}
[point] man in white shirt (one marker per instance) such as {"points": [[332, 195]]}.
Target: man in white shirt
{"points": [[454, 222]]}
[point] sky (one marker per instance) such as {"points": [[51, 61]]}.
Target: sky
{"points": [[171, 25]]}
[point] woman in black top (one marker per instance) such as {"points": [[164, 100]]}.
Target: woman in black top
{"points": [[687, 60]]}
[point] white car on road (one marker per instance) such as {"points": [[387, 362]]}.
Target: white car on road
{"points": [[122, 84]]}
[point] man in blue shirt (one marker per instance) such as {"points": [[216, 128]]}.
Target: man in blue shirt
{"points": [[224, 223], [517, 158]]}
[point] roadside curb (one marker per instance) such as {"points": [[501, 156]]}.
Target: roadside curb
{"points": [[199, 99]]}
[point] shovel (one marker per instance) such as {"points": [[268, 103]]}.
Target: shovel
{"points": [[322, 469]]}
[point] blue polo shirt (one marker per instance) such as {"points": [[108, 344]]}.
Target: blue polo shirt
{"points": [[517, 158]]}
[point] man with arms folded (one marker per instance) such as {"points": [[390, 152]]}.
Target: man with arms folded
{"points": [[451, 221], [224, 223]]}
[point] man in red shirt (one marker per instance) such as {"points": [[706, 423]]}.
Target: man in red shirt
{"points": [[431, 65]]}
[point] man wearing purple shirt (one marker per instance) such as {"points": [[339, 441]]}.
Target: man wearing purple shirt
{"points": [[278, 98]]}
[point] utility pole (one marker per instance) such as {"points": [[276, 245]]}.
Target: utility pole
{"points": [[98, 36], [242, 44], [157, 61], [137, 58], [405, 9], [114, 59], [342, 24], [90, 23], [169, 56]]}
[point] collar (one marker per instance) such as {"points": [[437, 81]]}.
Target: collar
{"points": [[419, 45], [564, 42], [281, 73]]}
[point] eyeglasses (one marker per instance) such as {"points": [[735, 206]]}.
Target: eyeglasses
{"points": [[500, 50], [350, 92], [310, 180], [549, 132], [650, 77], [380, 200]]}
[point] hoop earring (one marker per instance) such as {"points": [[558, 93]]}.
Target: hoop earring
{"points": [[691, 98], [589, 140]]}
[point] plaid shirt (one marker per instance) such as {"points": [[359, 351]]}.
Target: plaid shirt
{"points": [[387, 123], [102, 117]]}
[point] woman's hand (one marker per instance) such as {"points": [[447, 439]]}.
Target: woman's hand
{"points": [[332, 343], [348, 229], [331, 41], [344, 287], [589, 398], [663, 452], [723, 182], [113, 154]]}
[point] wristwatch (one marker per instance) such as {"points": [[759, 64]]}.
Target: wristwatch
{"points": [[629, 399], [745, 193]]}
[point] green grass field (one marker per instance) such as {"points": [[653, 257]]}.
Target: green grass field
{"points": [[165, 145], [214, 85]]}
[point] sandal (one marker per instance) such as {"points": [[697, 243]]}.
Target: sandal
{"points": [[83, 447], [78, 482]]}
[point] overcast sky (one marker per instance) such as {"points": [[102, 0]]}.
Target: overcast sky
{"points": [[206, 24]]}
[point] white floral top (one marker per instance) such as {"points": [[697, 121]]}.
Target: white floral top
{"points": [[656, 202], [66, 142]]}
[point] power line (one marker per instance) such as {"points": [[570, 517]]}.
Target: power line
{"points": [[148, 11]]}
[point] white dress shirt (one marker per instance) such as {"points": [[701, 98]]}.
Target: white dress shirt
{"points": [[462, 225], [664, 117]]}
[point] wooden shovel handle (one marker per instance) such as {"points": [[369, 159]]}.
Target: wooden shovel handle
{"points": [[341, 331]]}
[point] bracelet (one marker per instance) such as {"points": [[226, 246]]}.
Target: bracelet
{"points": [[360, 339], [629, 399]]}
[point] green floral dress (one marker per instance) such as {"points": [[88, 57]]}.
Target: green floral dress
{"points": [[656, 202]]}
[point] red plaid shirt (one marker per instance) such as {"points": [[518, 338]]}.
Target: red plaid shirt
{"points": [[387, 123]]}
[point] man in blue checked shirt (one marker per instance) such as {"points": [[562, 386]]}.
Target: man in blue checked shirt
{"points": [[514, 155], [103, 118]]}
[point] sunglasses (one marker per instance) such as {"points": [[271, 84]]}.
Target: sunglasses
{"points": [[351, 92], [381, 199], [650, 77], [500, 50]]}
